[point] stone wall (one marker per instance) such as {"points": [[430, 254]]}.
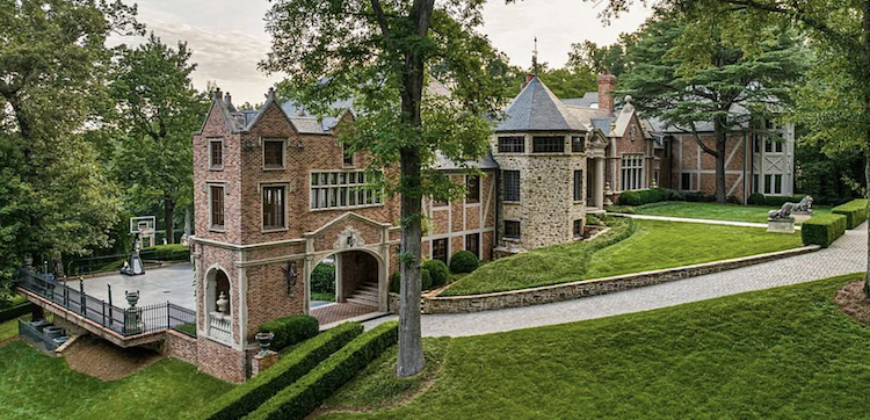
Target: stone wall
{"points": [[568, 291]]}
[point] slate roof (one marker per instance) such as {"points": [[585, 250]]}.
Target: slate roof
{"points": [[485, 163], [538, 109], [589, 100]]}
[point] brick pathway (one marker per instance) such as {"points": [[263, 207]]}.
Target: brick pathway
{"points": [[328, 314], [847, 255]]}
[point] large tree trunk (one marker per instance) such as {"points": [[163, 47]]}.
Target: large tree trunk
{"points": [[169, 219], [411, 360], [866, 58], [721, 143]]}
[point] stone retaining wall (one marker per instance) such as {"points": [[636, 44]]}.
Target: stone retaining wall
{"points": [[568, 291]]}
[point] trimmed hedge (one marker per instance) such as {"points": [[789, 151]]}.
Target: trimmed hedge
{"points": [[823, 229], [301, 398], [756, 199], [396, 281], [641, 197], [464, 262], [438, 271], [854, 211], [171, 252], [247, 397], [779, 200], [323, 278], [16, 311], [291, 330]]}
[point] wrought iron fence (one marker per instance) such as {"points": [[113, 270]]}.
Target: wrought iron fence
{"points": [[127, 322]]}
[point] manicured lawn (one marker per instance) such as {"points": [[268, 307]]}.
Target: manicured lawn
{"points": [[657, 245], [323, 297], [653, 245], [8, 329], [714, 211], [34, 386], [785, 353]]}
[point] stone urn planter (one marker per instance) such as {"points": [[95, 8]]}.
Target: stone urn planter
{"points": [[264, 340], [132, 298], [222, 303]]}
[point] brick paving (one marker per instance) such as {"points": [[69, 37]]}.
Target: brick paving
{"points": [[847, 255], [328, 314]]}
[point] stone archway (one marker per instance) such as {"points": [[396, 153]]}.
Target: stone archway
{"points": [[359, 282]]}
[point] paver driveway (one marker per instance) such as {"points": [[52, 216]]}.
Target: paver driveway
{"points": [[847, 255]]}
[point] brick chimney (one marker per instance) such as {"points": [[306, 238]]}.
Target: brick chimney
{"points": [[606, 86], [228, 98], [529, 78]]}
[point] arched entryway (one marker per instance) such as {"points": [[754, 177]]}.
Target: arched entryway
{"points": [[218, 305], [355, 289]]}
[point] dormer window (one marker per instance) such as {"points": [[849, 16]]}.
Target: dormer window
{"points": [[273, 154]]}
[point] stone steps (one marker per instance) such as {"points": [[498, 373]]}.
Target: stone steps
{"points": [[367, 294]]}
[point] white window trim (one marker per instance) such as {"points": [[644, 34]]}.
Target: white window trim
{"points": [[639, 182], [311, 188], [283, 154], [211, 226], [211, 142], [286, 185]]}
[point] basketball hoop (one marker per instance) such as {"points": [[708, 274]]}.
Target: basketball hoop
{"points": [[145, 226]]}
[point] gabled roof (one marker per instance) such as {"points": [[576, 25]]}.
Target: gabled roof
{"points": [[538, 109]]}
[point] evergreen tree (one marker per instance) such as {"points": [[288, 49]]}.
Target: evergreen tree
{"points": [[688, 73]]}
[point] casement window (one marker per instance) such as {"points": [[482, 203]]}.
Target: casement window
{"points": [[578, 144], [578, 186], [578, 229], [771, 146], [773, 184], [472, 244], [347, 155], [472, 187], [216, 154], [512, 144], [341, 190], [756, 184], [512, 229], [511, 186], [686, 182], [274, 209], [632, 172], [216, 207], [548, 144], [273, 154], [439, 249]]}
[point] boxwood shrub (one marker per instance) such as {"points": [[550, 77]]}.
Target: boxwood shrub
{"points": [[396, 281], [15, 311], [823, 229], [756, 199], [854, 211], [779, 200], [438, 271], [291, 330], [323, 278], [299, 399], [247, 397], [464, 262], [171, 252], [641, 197]]}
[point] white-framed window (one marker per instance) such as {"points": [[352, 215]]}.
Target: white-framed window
{"points": [[342, 190], [773, 184], [632, 172], [274, 151], [216, 207], [215, 154]]}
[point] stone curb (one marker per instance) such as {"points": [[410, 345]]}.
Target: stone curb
{"points": [[595, 287]]}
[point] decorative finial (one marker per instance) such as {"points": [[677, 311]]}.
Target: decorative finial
{"points": [[627, 99], [271, 94], [535, 58]]}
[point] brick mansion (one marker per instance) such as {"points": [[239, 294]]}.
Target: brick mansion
{"points": [[275, 194]]}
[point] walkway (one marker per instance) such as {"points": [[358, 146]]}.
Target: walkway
{"points": [[688, 220], [847, 255]]}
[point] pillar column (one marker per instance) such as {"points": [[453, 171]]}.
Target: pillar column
{"points": [[599, 183]]}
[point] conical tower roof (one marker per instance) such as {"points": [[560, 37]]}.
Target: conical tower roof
{"points": [[538, 109]]}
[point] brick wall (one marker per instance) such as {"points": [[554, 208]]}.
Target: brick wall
{"points": [[181, 347]]}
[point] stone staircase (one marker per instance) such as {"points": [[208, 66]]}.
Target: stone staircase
{"points": [[366, 294]]}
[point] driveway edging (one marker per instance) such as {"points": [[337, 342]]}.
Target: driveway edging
{"points": [[587, 288]]}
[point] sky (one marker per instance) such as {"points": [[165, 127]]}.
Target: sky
{"points": [[228, 37]]}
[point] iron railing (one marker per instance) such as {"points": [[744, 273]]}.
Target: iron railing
{"points": [[127, 322]]}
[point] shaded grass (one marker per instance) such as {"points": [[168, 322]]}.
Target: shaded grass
{"points": [[714, 211], [540, 267], [39, 387], [658, 245], [785, 353], [653, 245], [377, 385], [323, 296], [8, 329]]}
